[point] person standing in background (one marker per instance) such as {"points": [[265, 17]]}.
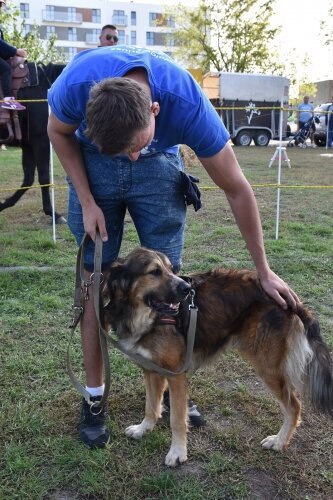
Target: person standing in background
{"points": [[305, 112], [109, 36], [330, 126]]}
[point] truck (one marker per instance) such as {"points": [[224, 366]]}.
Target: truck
{"points": [[249, 105], [324, 92]]}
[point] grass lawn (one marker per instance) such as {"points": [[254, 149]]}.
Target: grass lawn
{"points": [[41, 457]]}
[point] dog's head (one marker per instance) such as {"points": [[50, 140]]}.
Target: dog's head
{"points": [[140, 288]]}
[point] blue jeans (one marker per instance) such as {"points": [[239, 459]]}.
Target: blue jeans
{"points": [[148, 188], [5, 77]]}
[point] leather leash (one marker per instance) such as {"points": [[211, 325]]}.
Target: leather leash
{"points": [[81, 295]]}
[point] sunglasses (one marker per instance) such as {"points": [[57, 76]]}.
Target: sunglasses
{"points": [[112, 37]]}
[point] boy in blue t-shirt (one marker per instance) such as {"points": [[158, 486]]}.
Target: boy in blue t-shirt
{"points": [[117, 117], [305, 112]]}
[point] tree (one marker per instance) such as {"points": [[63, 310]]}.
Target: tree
{"points": [[14, 29], [327, 27], [227, 35]]}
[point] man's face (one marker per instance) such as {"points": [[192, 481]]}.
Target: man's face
{"points": [[142, 139], [108, 37]]}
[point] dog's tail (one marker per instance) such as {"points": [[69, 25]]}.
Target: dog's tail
{"points": [[318, 380]]}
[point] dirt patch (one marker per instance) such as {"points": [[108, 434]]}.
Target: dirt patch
{"points": [[63, 495], [261, 485]]}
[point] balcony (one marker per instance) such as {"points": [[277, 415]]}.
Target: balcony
{"points": [[61, 17], [120, 21], [92, 39]]}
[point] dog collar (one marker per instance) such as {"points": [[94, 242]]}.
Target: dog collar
{"points": [[166, 320]]}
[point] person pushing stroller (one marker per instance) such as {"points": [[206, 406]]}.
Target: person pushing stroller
{"points": [[306, 126]]}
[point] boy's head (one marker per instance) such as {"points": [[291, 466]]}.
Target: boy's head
{"points": [[120, 116]]}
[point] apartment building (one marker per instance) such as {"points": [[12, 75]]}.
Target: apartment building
{"points": [[78, 26]]}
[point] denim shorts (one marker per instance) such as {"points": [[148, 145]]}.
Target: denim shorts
{"points": [[149, 188]]}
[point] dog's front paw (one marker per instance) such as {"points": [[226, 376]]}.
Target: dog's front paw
{"points": [[137, 431], [176, 456], [272, 443]]}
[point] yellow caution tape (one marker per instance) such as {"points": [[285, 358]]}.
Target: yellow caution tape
{"points": [[203, 188]]}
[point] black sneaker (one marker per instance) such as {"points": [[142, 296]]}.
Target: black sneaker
{"points": [[195, 414], [93, 429]]}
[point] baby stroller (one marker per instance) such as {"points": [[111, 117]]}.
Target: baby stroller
{"points": [[299, 139]]}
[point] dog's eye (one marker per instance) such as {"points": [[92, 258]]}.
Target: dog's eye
{"points": [[156, 272]]}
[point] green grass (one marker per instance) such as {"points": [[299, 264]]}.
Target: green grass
{"points": [[41, 457]]}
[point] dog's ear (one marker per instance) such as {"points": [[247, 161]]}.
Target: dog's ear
{"points": [[105, 298], [165, 260], [110, 275], [117, 279], [115, 290]]}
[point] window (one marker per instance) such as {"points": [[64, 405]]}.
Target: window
{"points": [[169, 40], [24, 10], [49, 12], [150, 38], [133, 18], [72, 35], [26, 29], [50, 30], [162, 39], [71, 51], [71, 14], [133, 37], [158, 19], [121, 35], [170, 22], [119, 18], [96, 16], [93, 36], [155, 19]]}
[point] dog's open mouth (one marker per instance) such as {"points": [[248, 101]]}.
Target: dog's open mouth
{"points": [[164, 307]]}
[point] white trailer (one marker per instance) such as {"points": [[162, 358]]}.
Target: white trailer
{"points": [[249, 105]]}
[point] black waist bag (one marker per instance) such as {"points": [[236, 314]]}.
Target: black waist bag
{"points": [[190, 190]]}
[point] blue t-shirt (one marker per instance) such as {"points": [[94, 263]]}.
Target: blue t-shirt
{"points": [[186, 115], [305, 112]]}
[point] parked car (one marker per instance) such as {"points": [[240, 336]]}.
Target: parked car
{"points": [[320, 134], [291, 127]]}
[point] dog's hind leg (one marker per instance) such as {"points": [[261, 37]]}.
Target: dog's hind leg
{"points": [[155, 385], [178, 420], [291, 409]]}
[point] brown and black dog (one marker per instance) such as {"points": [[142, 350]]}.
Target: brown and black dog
{"points": [[286, 349]]}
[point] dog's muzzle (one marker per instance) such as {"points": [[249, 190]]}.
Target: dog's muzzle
{"points": [[171, 308]]}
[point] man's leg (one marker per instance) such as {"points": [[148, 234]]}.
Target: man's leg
{"points": [[5, 76], [93, 428], [90, 343]]}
